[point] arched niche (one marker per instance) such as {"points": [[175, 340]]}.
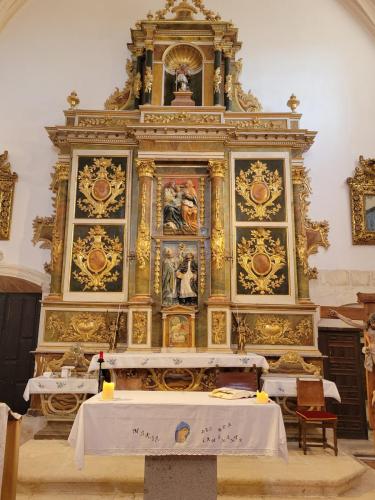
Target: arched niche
{"points": [[174, 58]]}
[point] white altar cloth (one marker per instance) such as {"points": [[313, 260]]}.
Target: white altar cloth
{"points": [[176, 423], [52, 385], [279, 386], [177, 360], [4, 410]]}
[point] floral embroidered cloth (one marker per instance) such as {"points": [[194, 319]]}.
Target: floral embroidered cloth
{"points": [[180, 360], [45, 385], [176, 423]]}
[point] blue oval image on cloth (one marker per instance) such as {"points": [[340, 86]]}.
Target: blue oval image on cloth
{"points": [[182, 432]]}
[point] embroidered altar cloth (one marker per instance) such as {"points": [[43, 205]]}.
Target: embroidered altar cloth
{"points": [[176, 423], [178, 360], [67, 385], [276, 386]]}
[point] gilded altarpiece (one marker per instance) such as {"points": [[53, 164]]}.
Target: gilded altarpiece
{"points": [[181, 208]]}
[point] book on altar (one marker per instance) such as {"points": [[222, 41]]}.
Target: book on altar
{"points": [[231, 393]]}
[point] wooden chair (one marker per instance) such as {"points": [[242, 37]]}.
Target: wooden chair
{"points": [[238, 380], [310, 395]]}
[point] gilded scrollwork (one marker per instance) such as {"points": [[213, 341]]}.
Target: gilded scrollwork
{"points": [[42, 231], [120, 98], [276, 330], [159, 203], [202, 187], [261, 257], [217, 235], [217, 80], [246, 101], [86, 121], [137, 85], [140, 322], [96, 257], [8, 180], [143, 245], [157, 267], [202, 278], [260, 188], [228, 87], [292, 361], [257, 123], [102, 185], [184, 117], [219, 327], [362, 190]]}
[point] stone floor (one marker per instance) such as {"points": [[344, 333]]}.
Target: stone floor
{"points": [[47, 472]]}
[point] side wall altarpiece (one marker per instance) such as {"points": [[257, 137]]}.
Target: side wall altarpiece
{"points": [[181, 209]]}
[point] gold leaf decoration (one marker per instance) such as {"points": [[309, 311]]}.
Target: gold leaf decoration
{"points": [[102, 185], [259, 188], [219, 327], [96, 256], [276, 330], [7, 183], [261, 258], [139, 335]]}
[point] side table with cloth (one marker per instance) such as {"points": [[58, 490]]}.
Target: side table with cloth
{"points": [[284, 386], [161, 423], [55, 385], [9, 445]]}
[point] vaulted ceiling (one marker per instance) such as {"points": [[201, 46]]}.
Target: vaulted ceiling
{"points": [[363, 10]]}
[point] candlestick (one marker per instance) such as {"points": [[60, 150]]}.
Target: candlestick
{"points": [[108, 390], [100, 374]]}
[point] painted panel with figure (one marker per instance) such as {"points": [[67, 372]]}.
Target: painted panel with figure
{"points": [[180, 276], [180, 206]]}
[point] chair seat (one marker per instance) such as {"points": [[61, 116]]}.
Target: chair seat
{"points": [[316, 415]]}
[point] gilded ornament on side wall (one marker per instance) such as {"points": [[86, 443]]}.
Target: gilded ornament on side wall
{"points": [[7, 183], [362, 190], [259, 191], [139, 333], [101, 188], [262, 261], [96, 259]]}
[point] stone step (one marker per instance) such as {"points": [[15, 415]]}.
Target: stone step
{"points": [[47, 468]]}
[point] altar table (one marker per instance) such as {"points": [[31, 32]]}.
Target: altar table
{"points": [[178, 360], [158, 423], [9, 449], [58, 385], [284, 386]]}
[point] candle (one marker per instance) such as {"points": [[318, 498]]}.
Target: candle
{"points": [[108, 390], [262, 397], [101, 355]]}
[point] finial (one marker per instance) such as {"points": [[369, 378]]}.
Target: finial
{"points": [[73, 99], [150, 15], [293, 103]]}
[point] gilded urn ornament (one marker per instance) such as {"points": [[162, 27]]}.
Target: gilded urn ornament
{"points": [[261, 257], [102, 185], [259, 189]]}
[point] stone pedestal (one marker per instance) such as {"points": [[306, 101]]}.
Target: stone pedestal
{"points": [[183, 477], [183, 98]]}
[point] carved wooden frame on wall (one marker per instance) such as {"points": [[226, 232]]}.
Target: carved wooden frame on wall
{"points": [[7, 183], [362, 198]]}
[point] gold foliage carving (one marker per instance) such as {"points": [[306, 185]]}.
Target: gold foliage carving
{"points": [[246, 100], [68, 326], [277, 330], [362, 186], [219, 327], [260, 189], [143, 245], [102, 185], [42, 229], [96, 256], [179, 118], [102, 122], [217, 80], [137, 85], [148, 79], [217, 235], [256, 123], [184, 11], [7, 183], [120, 98], [228, 87], [202, 182], [202, 278], [293, 362], [139, 334], [261, 258], [157, 268]]}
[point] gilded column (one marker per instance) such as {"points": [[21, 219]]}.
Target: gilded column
{"points": [[217, 75], [228, 79], [148, 78], [59, 186], [137, 83], [217, 169], [301, 192], [146, 171]]}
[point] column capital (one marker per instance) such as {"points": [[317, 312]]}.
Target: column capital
{"points": [[138, 51], [61, 173], [299, 175], [149, 45], [145, 168], [217, 168]]}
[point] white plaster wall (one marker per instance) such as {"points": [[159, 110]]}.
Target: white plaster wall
{"points": [[312, 48]]}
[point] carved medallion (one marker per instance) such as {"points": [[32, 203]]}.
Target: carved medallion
{"points": [[97, 258], [102, 184], [261, 261], [259, 189]]}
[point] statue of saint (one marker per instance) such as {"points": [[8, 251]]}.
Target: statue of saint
{"points": [[182, 78]]}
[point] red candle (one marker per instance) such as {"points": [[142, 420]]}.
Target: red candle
{"points": [[101, 355]]}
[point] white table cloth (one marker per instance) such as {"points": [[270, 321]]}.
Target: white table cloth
{"points": [[52, 385], [177, 360], [4, 410], [176, 423], [278, 386]]}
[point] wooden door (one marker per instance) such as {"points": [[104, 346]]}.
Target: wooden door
{"points": [[344, 366], [19, 321]]}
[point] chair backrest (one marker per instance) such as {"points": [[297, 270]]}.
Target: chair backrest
{"points": [[310, 393], [238, 380]]}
